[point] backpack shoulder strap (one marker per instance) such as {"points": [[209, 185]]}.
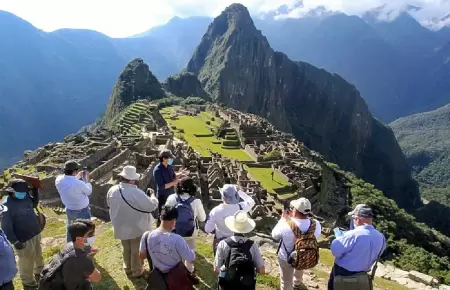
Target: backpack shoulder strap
{"points": [[190, 199], [312, 228], [149, 259], [294, 228]]}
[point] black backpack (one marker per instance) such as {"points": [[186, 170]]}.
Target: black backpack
{"points": [[240, 269], [51, 277]]}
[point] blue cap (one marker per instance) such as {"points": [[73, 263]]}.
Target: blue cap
{"points": [[230, 194]]}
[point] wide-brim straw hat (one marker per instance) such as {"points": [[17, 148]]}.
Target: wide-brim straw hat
{"points": [[240, 223], [129, 172]]}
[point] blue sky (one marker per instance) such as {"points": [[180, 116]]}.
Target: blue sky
{"points": [[121, 18]]}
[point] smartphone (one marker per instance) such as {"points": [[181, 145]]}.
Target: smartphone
{"points": [[84, 173]]}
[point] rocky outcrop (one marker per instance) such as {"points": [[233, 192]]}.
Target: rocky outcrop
{"points": [[135, 82], [185, 84], [237, 67]]}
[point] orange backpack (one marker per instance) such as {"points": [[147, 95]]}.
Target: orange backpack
{"points": [[306, 251]]}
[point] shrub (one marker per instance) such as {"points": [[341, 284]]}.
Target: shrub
{"points": [[275, 154], [208, 123], [213, 119], [181, 130], [173, 127], [193, 101]]}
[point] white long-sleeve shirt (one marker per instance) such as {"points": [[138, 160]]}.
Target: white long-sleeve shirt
{"points": [[218, 214], [197, 207], [283, 231], [74, 193], [127, 222]]}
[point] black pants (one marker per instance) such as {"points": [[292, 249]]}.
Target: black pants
{"points": [[7, 286], [338, 271], [161, 202]]}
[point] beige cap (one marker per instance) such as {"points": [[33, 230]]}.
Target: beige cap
{"points": [[302, 205]]}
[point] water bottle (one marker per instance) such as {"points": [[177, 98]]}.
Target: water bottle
{"points": [[222, 271]]}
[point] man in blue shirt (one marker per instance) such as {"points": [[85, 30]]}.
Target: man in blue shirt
{"points": [[8, 268], [356, 250], [166, 178]]}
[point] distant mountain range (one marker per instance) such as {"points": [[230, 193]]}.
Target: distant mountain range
{"points": [[425, 140], [54, 83]]}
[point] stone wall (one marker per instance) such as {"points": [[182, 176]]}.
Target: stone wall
{"points": [[110, 164], [98, 155]]}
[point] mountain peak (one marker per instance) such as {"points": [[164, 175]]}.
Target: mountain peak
{"points": [[134, 83], [234, 16]]}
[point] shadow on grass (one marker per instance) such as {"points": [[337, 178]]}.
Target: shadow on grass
{"points": [[107, 282], [205, 272]]}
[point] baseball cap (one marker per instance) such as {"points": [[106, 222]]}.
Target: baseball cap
{"points": [[230, 194], [166, 153], [302, 205], [362, 210], [71, 165], [3, 208], [18, 185]]}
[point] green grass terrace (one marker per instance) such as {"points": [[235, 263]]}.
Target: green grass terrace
{"points": [[198, 134]]}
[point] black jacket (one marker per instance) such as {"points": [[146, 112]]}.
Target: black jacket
{"points": [[20, 223]]}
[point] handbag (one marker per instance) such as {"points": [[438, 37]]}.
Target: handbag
{"points": [[357, 281], [156, 280]]}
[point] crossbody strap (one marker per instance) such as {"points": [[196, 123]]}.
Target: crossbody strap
{"points": [[149, 259], [142, 211]]}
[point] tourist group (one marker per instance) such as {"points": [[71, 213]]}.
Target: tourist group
{"points": [[169, 248]]}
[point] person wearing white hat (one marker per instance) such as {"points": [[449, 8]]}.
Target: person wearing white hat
{"points": [[238, 245], [8, 267], [297, 216], [231, 196], [130, 212]]}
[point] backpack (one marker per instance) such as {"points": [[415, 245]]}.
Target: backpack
{"points": [[51, 277], [185, 225], [240, 268], [306, 250]]}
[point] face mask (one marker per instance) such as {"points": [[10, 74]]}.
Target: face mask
{"points": [[352, 224], [20, 195], [170, 161], [90, 241]]}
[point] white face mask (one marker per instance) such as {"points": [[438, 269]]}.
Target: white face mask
{"points": [[90, 241]]}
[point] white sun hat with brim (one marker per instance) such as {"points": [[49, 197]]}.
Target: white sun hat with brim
{"points": [[240, 223], [129, 172], [3, 208]]}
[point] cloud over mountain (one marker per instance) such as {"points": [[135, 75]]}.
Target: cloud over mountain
{"points": [[429, 12]]}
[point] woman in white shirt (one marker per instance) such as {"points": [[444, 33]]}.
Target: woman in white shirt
{"points": [[216, 222], [187, 190]]}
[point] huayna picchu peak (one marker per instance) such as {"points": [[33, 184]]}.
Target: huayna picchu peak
{"points": [[136, 82], [237, 67]]}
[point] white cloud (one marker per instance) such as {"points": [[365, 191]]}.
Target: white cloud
{"points": [[121, 18]]}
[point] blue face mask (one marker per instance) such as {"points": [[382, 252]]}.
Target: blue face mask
{"points": [[20, 195], [170, 161]]}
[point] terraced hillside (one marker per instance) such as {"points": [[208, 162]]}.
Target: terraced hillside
{"points": [[134, 119]]}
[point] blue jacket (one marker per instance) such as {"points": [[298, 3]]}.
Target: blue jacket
{"points": [[163, 175], [20, 223], [8, 268]]}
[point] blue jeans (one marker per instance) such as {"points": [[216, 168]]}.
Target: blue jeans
{"points": [[84, 213]]}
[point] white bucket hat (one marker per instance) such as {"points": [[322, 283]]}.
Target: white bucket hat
{"points": [[129, 172], [240, 223]]}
